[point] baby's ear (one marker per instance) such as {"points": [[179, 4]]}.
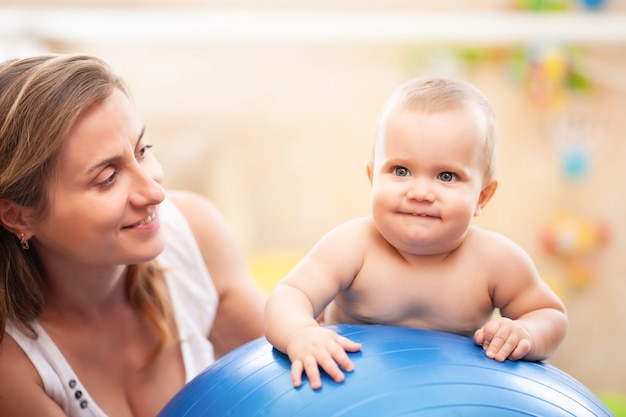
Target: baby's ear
{"points": [[485, 195], [370, 169]]}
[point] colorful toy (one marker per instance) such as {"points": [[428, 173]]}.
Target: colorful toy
{"points": [[544, 5], [399, 372], [577, 141], [549, 73], [573, 239], [593, 4]]}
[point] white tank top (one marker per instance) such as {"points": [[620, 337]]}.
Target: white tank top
{"points": [[194, 300]]}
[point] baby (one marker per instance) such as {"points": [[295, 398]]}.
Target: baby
{"points": [[417, 261]]}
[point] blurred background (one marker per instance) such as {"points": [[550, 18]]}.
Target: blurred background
{"points": [[268, 107]]}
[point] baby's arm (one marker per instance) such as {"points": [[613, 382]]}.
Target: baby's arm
{"points": [[292, 307], [308, 345], [533, 319]]}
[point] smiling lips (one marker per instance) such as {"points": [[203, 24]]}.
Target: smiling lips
{"points": [[144, 221], [147, 219], [421, 214]]}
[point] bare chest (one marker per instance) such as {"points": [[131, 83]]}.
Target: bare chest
{"points": [[450, 296]]}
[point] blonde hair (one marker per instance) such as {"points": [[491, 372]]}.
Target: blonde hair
{"points": [[41, 99], [436, 94]]}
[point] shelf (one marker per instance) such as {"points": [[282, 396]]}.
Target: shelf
{"points": [[202, 25]]}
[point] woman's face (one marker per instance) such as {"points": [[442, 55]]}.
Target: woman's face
{"points": [[104, 203]]}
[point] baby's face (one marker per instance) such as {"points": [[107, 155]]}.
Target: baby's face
{"points": [[427, 177]]}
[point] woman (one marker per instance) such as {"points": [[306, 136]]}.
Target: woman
{"points": [[114, 292]]}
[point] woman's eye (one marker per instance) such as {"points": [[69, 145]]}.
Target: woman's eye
{"points": [[109, 180], [401, 172], [143, 151], [446, 176]]}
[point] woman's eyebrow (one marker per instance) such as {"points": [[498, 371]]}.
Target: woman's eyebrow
{"points": [[112, 159], [140, 136]]}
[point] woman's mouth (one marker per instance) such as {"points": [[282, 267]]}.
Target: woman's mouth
{"points": [[147, 220]]}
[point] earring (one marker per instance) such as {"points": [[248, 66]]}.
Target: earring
{"points": [[24, 242]]}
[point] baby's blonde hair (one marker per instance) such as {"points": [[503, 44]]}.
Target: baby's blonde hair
{"points": [[435, 94]]}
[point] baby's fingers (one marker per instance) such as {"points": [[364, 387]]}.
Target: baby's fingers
{"points": [[339, 355], [503, 340], [296, 373], [331, 365], [513, 348], [479, 337], [348, 345], [310, 366], [312, 371], [333, 360], [521, 350], [501, 347]]}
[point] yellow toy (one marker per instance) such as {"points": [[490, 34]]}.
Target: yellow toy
{"points": [[573, 239]]}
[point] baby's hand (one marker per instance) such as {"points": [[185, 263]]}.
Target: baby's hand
{"points": [[314, 347], [503, 338]]}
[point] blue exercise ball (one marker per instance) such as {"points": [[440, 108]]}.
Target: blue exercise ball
{"points": [[398, 372]]}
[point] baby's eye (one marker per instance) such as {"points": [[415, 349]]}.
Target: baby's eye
{"points": [[446, 176], [401, 172], [143, 151]]}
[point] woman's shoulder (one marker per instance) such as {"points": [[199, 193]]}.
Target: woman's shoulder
{"points": [[185, 198], [215, 239], [15, 362], [199, 212], [189, 203], [21, 388]]}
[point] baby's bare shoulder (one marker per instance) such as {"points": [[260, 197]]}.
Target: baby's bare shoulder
{"points": [[500, 254], [354, 231], [490, 242]]}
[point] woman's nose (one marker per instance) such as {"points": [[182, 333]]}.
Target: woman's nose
{"points": [[146, 188]]}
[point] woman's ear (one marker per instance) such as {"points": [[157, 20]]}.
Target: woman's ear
{"points": [[485, 195], [13, 217]]}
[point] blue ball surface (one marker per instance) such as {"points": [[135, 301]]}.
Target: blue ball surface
{"points": [[399, 372]]}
